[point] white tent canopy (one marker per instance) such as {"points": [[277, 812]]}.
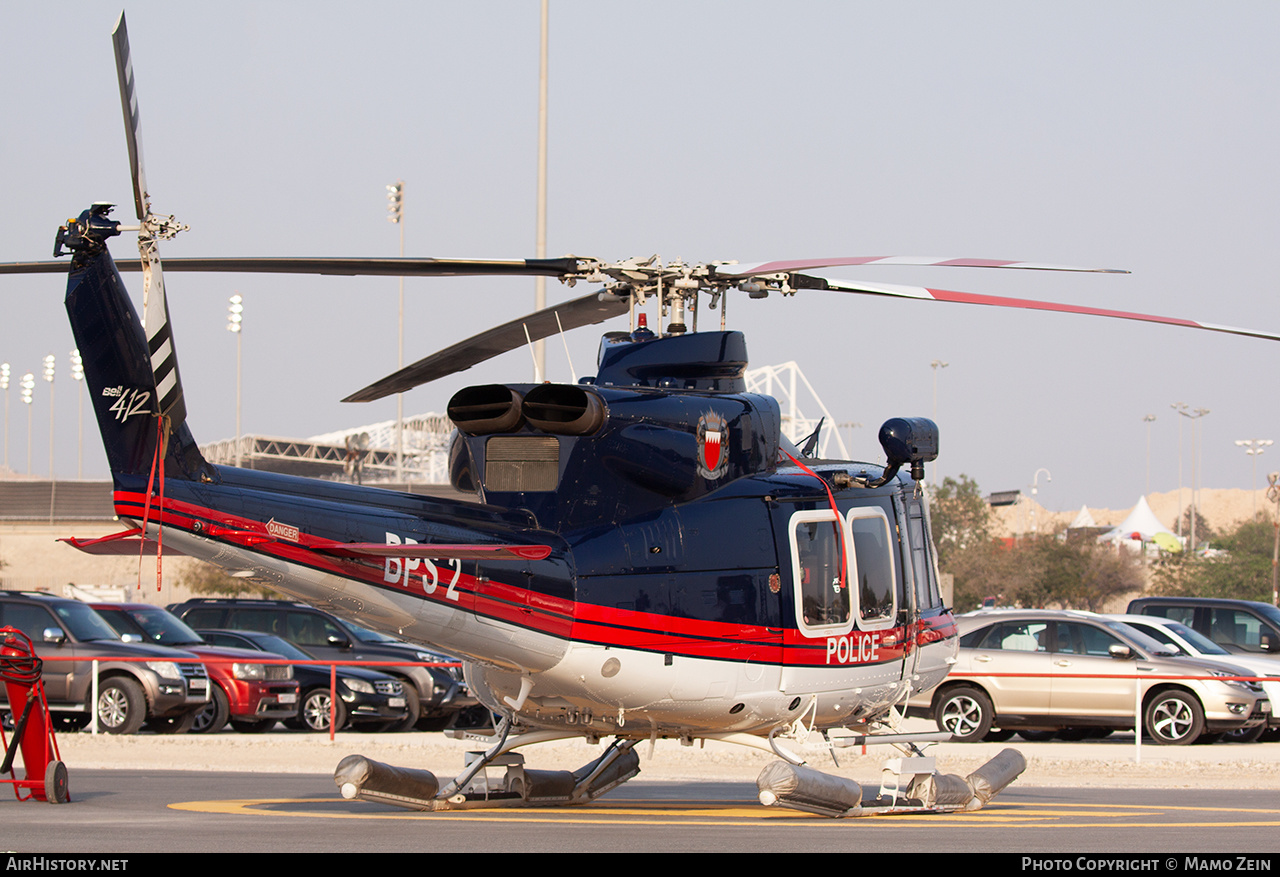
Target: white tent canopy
{"points": [[1084, 519], [1143, 521]]}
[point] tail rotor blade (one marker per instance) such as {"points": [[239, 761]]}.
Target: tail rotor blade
{"points": [[132, 122], [155, 306], [164, 360]]}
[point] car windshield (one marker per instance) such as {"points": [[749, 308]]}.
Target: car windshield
{"points": [[1200, 643], [83, 623], [154, 624], [368, 636], [1141, 640], [270, 643], [1271, 613]]}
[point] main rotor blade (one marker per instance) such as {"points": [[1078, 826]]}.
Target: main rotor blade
{"points": [[584, 311], [132, 122], [751, 269], [802, 281], [408, 267]]}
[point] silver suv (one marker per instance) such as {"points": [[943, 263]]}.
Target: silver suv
{"points": [[1071, 670], [162, 691]]}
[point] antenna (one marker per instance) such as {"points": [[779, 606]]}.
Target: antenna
{"points": [[533, 352], [565, 341]]}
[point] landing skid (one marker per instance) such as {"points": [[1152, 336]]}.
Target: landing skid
{"points": [[367, 780], [909, 784]]}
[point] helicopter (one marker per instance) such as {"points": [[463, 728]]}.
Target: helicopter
{"points": [[645, 555]]}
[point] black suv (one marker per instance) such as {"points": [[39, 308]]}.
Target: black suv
{"points": [[164, 691], [436, 696], [1240, 626]]}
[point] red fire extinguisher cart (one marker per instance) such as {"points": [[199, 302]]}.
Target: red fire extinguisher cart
{"points": [[46, 775]]}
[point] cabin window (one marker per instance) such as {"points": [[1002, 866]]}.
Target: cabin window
{"points": [[873, 548], [926, 581], [822, 594]]}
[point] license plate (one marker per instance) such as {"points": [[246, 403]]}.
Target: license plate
{"points": [[288, 698], [199, 684], [395, 701]]}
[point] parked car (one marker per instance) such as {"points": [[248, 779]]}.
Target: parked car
{"points": [[436, 695], [1239, 626], [369, 700], [244, 691], [1060, 648], [1182, 640], [163, 691]]}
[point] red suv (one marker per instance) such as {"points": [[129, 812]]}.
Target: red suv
{"points": [[252, 695]]}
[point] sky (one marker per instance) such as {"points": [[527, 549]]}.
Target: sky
{"points": [[1135, 135]]}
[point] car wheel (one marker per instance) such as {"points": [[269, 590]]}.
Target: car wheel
{"points": [[122, 707], [1173, 718], [315, 711], [475, 718], [213, 716], [171, 724], [1246, 735], [373, 727], [964, 712], [435, 723], [1037, 736], [414, 704], [253, 726], [70, 723], [997, 735]]}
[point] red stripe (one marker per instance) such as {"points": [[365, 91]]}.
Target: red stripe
{"points": [[564, 619], [1000, 301]]}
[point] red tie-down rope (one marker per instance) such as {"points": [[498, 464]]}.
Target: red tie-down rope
{"points": [[832, 500], [157, 466]]}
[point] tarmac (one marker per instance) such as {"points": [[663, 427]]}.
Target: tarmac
{"points": [[1113, 762]]}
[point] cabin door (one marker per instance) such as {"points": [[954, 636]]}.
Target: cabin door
{"points": [[843, 572]]}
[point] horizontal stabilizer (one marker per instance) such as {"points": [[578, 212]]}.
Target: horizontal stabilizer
{"points": [[126, 542]]}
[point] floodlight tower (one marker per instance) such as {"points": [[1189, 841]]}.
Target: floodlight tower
{"points": [[77, 375], [1179, 407], [50, 364], [1254, 448], [28, 388], [235, 325], [540, 232], [935, 365], [4, 385], [1194, 417], [395, 214], [1148, 420]]}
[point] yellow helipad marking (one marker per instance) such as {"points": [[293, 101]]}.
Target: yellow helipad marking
{"points": [[1002, 815]]}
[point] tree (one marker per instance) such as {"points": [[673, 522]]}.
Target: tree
{"points": [[1080, 573], [1240, 569], [1045, 570], [960, 519], [203, 578], [1204, 532]]}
